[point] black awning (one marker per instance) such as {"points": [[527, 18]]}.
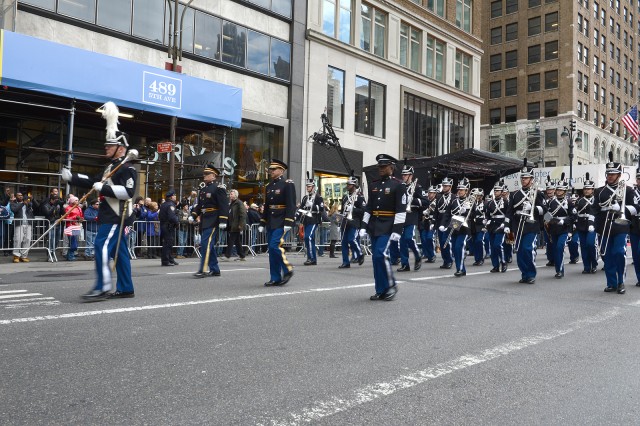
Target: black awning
{"points": [[482, 168]]}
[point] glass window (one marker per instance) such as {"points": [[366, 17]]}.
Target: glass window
{"points": [[551, 50], [495, 89], [462, 71], [115, 14], [379, 34], [187, 27], [282, 7], [510, 114], [262, 3], [533, 54], [81, 9], [511, 59], [335, 96], [257, 52], [435, 58], [511, 87], [510, 142], [496, 8], [336, 20], [495, 116], [280, 59], [370, 107], [533, 83], [45, 4], [512, 6], [208, 36], [533, 110], [551, 80], [373, 30], [551, 22], [495, 62], [496, 35], [534, 26], [148, 20], [436, 6], [551, 108], [410, 47], [512, 31], [234, 44], [534, 3], [463, 14]]}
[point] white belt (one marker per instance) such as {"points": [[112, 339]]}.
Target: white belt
{"points": [[560, 217], [584, 215], [498, 216]]}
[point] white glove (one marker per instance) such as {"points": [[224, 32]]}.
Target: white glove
{"points": [[431, 227], [561, 222], [302, 211], [347, 209], [615, 207], [591, 228], [260, 228], [362, 233], [98, 186], [190, 220], [222, 226], [66, 174], [394, 236], [501, 226], [462, 210], [526, 207], [287, 229], [507, 230], [441, 228]]}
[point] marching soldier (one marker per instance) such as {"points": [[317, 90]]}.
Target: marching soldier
{"points": [[384, 219], [527, 205], [115, 213], [311, 208], [416, 202], [497, 221], [457, 234], [353, 205], [427, 226], [612, 203], [573, 243], [634, 235], [278, 217], [507, 246], [442, 206], [585, 229], [560, 225], [477, 226], [549, 194], [212, 213], [168, 227]]}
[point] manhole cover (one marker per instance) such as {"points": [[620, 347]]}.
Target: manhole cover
{"points": [[61, 274]]}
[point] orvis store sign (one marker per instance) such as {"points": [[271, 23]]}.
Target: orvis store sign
{"points": [[34, 64]]}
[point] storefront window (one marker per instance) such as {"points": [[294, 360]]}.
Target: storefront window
{"points": [[115, 14]]}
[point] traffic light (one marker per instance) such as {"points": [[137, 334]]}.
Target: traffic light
{"points": [[572, 125]]}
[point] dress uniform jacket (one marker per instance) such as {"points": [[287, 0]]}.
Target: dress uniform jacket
{"points": [[516, 214], [317, 207], [563, 216], [454, 209], [477, 219], [419, 202], [635, 219], [442, 206], [213, 206], [386, 207], [167, 215], [601, 206], [496, 214], [117, 190], [427, 217], [357, 211], [280, 204], [584, 218]]}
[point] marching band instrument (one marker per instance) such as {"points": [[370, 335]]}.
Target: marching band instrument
{"points": [[410, 191], [458, 221], [531, 199], [620, 194]]}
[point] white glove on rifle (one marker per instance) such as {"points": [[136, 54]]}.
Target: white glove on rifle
{"points": [[98, 186], [507, 230], [287, 229], [526, 207], [66, 174], [362, 233], [591, 228], [441, 228], [394, 236], [501, 226], [302, 211], [260, 228], [222, 226]]}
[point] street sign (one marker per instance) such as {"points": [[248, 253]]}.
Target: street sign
{"points": [[164, 147]]}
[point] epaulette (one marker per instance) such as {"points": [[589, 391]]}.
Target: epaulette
{"points": [[289, 181]]}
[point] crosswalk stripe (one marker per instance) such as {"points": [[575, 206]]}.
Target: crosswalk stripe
{"points": [[26, 300], [13, 291], [9, 296]]}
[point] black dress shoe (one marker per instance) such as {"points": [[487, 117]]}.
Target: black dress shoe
{"points": [[594, 270], [200, 274], [272, 283], [495, 270], [530, 281], [174, 263], [376, 297], [510, 260], [361, 260], [404, 268], [213, 274], [446, 266], [395, 262], [559, 275], [310, 262], [503, 268], [417, 265], [551, 264], [609, 289], [286, 278], [478, 263], [638, 284], [344, 265], [459, 274], [122, 295], [621, 289], [432, 260], [167, 264], [390, 293], [95, 295]]}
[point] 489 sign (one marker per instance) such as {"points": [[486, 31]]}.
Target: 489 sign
{"points": [[161, 90]]}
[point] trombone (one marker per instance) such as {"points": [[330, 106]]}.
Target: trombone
{"points": [[532, 195], [619, 195]]}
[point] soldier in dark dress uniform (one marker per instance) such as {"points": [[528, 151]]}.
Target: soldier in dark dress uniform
{"points": [[416, 203], [311, 209], [634, 233], [212, 213], [560, 224], [477, 227], [613, 225], [509, 239], [497, 223], [549, 194], [441, 222], [585, 228], [352, 211], [573, 243], [457, 231], [427, 225], [384, 219], [278, 217], [527, 206], [115, 196], [168, 227]]}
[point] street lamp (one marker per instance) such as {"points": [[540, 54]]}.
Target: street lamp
{"points": [[567, 136]]}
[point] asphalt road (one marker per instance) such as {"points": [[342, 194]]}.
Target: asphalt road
{"points": [[481, 349]]}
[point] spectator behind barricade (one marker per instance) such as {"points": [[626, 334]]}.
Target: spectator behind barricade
{"points": [[140, 211], [6, 196], [8, 229], [324, 231], [334, 228], [91, 228], [183, 228], [73, 227], [236, 224], [23, 217], [51, 209], [153, 231], [5, 217]]}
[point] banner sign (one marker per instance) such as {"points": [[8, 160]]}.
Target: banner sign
{"points": [[44, 66], [596, 174]]}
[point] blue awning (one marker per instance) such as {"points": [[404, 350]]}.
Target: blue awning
{"points": [[40, 65]]}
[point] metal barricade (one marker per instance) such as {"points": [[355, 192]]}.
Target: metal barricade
{"points": [[19, 234], [146, 240]]}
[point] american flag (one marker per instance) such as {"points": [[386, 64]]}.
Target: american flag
{"points": [[127, 230], [68, 231], [630, 121]]}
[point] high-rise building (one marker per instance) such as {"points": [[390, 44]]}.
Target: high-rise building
{"points": [[548, 62]]}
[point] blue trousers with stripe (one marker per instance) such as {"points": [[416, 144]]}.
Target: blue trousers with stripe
{"points": [[588, 251], [349, 240], [408, 242], [278, 263], [208, 250], [310, 241], [614, 259], [382, 271], [557, 243], [497, 249], [527, 255], [105, 249]]}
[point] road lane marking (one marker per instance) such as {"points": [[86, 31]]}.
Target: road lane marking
{"points": [[321, 409], [25, 300], [221, 270], [13, 291], [8, 296], [177, 304]]}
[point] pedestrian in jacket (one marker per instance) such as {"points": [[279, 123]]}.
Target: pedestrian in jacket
{"points": [[236, 224]]}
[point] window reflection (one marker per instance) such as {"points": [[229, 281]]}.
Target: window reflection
{"points": [[148, 19], [282, 7], [280, 59], [115, 14], [45, 4], [256, 48], [207, 38], [234, 41], [79, 9]]}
